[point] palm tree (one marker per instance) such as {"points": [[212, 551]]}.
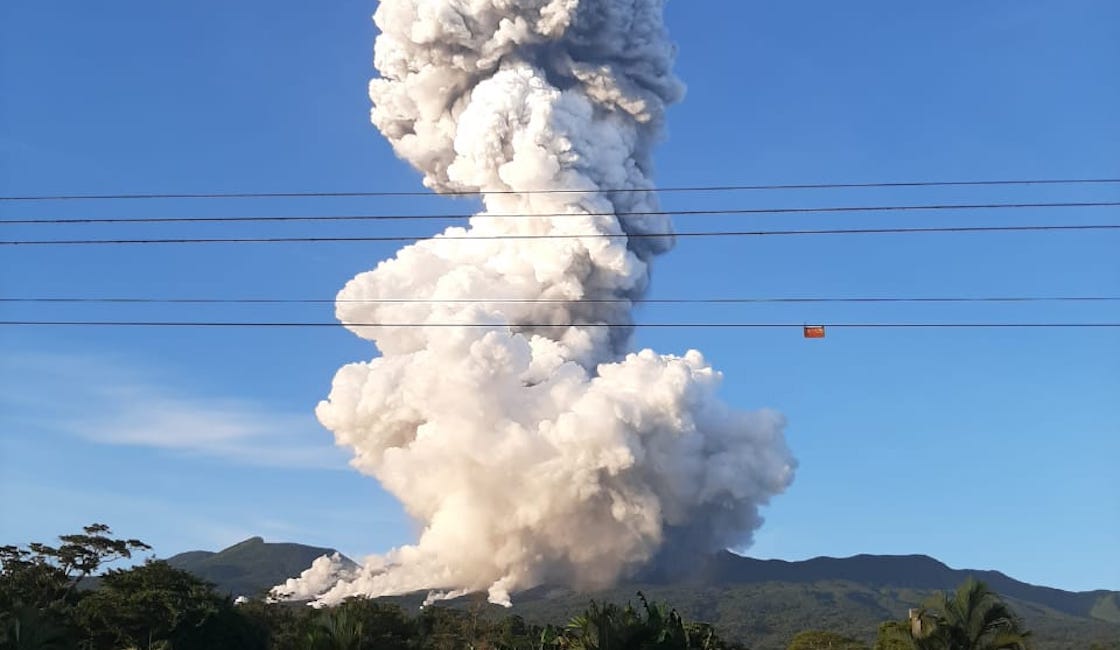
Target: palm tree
{"points": [[597, 628], [338, 629], [971, 618], [610, 627], [663, 627], [976, 618]]}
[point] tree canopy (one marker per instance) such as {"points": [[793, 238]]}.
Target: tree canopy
{"points": [[154, 606], [972, 618]]}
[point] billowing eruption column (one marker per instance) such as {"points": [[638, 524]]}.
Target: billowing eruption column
{"points": [[533, 450]]}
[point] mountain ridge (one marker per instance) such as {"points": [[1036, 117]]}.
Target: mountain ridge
{"points": [[761, 602], [919, 571], [250, 566]]}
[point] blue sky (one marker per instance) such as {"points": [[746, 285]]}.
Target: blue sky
{"points": [[984, 448]]}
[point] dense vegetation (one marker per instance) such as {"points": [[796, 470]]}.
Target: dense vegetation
{"points": [[154, 605], [767, 615], [763, 603]]}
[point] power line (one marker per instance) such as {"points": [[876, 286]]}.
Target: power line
{"points": [[696, 325], [635, 301], [551, 215], [412, 238], [701, 188]]}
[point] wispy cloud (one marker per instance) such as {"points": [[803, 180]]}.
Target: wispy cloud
{"points": [[109, 402], [164, 523]]}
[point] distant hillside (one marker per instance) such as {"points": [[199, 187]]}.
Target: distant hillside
{"points": [[763, 603], [249, 567], [918, 572], [767, 615]]}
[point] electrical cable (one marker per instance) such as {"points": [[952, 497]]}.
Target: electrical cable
{"points": [[634, 301], [552, 215], [702, 188], [413, 238], [696, 325]]}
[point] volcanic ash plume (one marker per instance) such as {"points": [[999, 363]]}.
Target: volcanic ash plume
{"points": [[533, 449]]}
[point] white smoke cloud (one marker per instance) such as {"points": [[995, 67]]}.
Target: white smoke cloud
{"points": [[324, 571], [534, 449]]}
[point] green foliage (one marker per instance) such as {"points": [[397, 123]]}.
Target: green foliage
{"points": [[768, 615], [149, 606], [386, 627], [29, 580], [360, 624], [154, 603], [972, 618], [1107, 608], [285, 624], [654, 626], [894, 635], [819, 640], [83, 553], [357, 624], [29, 628], [155, 606], [976, 618], [339, 629], [38, 585], [763, 603], [44, 576]]}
